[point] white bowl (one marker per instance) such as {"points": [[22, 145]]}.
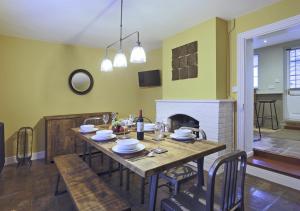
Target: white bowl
{"points": [[87, 127], [183, 132], [150, 125], [127, 144], [104, 133]]}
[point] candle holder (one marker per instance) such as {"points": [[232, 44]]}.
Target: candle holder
{"points": [[24, 146]]}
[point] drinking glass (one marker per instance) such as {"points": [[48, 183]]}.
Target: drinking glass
{"points": [[113, 116], [131, 118], [105, 118], [158, 134]]}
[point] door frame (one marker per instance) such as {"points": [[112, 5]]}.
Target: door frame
{"points": [[244, 88]]}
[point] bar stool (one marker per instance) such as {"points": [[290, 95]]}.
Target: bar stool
{"points": [[257, 121], [263, 116]]}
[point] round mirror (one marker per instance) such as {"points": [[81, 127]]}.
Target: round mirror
{"points": [[81, 81]]}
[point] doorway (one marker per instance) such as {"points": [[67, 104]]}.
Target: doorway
{"points": [[245, 104]]}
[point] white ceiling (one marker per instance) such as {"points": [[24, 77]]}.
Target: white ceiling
{"points": [[277, 37], [95, 23]]}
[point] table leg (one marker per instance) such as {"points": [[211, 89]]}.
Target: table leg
{"points": [[127, 179], [90, 155], [153, 191], [200, 172], [121, 175], [84, 150]]}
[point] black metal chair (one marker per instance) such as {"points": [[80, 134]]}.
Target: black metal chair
{"points": [[2, 150], [231, 195], [176, 176], [88, 150]]}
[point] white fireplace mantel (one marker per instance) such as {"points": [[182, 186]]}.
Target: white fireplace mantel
{"points": [[215, 118]]}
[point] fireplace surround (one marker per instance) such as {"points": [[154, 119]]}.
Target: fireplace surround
{"points": [[215, 117]]}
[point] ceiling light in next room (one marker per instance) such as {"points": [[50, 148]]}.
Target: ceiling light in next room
{"points": [[265, 41], [120, 61]]}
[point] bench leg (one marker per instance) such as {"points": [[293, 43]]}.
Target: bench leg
{"points": [[57, 192]]}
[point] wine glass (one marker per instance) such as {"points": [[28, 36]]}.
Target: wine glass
{"points": [[105, 118], [113, 116], [158, 134]]}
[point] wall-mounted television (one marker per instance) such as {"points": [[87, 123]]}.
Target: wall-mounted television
{"points": [[149, 78]]}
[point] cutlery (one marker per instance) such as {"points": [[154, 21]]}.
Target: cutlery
{"points": [[150, 154]]}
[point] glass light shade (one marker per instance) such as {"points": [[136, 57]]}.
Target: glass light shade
{"points": [[120, 60], [138, 55], [106, 65]]}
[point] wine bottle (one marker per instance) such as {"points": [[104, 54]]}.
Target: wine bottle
{"points": [[140, 126]]}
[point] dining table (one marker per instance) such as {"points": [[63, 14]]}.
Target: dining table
{"points": [[177, 153]]}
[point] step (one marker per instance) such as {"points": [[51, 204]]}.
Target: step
{"points": [[293, 125], [288, 166]]}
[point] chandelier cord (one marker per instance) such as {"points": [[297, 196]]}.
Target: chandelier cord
{"points": [[121, 24]]}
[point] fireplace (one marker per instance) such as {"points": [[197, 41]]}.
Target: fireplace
{"points": [[215, 117], [181, 120]]}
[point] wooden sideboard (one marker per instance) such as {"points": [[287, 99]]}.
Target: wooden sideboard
{"points": [[59, 137]]}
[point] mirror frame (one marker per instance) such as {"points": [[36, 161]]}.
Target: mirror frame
{"points": [[90, 77]]}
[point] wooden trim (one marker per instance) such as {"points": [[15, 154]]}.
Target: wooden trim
{"points": [[276, 163], [70, 116], [278, 157]]}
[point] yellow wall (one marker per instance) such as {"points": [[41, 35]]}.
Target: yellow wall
{"points": [[276, 12], [148, 95], [211, 81], [34, 83]]}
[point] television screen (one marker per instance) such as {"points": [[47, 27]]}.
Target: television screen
{"points": [[149, 78]]}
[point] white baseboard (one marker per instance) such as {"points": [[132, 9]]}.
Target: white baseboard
{"points": [[274, 177], [35, 156]]}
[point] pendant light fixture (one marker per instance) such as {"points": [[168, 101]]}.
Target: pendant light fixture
{"points": [[138, 54]]}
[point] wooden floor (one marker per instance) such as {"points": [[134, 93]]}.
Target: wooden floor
{"points": [[33, 189], [283, 142]]}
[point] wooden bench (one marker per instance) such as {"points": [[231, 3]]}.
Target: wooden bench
{"points": [[87, 190]]}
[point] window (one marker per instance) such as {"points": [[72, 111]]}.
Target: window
{"points": [[255, 71], [294, 68]]}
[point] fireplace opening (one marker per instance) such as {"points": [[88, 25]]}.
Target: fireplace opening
{"points": [[182, 120]]}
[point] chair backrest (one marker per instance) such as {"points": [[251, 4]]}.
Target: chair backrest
{"points": [[93, 121], [233, 181], [2, 151], [197, 130]]}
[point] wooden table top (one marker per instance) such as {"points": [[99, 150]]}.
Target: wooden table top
{"points": [[178, 152]]}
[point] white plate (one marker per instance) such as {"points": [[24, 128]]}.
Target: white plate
{"points": [[88, 131], [99, 138], [149, 130], [192, 136], [139, 147]]}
